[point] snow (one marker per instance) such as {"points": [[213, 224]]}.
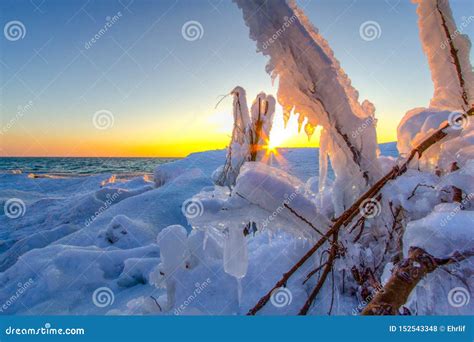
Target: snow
{"points": [[65, 253], [442, 232]]}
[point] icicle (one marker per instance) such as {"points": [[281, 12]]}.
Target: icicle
{"points": [[309, 130], [286, 117], [206, 237], [239, 290], [323, 159], [301, 119], [235, 252]]}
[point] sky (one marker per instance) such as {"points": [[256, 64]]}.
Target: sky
{"points": [[148, 87]]}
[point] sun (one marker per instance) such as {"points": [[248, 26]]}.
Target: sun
{"points": [[279, 135]]}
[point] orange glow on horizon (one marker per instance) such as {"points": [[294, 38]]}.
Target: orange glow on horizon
{"points": [[176, 140]]}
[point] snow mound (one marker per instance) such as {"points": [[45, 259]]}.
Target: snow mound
{"points": [[441, 233]]}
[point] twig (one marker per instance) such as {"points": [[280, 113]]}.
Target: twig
{"points": [[156, 302], [319, 285], [302, 218], [310, 274]]}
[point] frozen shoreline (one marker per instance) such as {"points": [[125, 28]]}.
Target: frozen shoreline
{"points": [[77, 234]]}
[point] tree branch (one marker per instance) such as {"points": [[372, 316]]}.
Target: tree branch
{"points": [[404, 279]]}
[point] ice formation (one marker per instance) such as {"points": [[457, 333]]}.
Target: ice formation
{"points": [[447, 50], [312, 84], [250, 135], [173, 246], [262, 111]]}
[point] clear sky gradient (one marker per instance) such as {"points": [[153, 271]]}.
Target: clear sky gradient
{"points": [[162, 89]]}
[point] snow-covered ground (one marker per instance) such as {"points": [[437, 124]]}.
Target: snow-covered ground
{"points": [[75, 235], [91, 245]]}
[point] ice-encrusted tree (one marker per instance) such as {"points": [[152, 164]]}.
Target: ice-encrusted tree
{"points": [[312, 84], [447, 50], [250, 134]]}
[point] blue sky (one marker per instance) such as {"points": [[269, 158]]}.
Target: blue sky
{"points": [[162, 88]]}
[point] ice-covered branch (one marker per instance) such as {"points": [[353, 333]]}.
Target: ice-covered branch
{"points": [[262, 111], [447, 50], [250, 134], [238, 150], [312, 84]]}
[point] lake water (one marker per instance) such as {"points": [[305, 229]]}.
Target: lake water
{"points": [[81, 166], [119, 166]]}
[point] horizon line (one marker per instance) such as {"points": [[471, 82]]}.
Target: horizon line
{"points": [[162, 157]]}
